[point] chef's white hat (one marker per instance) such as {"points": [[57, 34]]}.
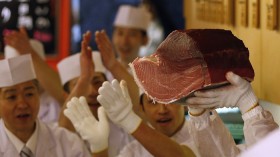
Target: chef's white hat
{"points": [[16, 70], [133, 17], [10, 52], [69, 68]]}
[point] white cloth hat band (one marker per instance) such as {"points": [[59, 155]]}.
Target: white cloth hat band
{"points": [[16, 70], [132, 17], [69, 68]]}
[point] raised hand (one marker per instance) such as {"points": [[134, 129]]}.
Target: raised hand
{"points": [[94, 131], [239, 93], [106, 49], [115, 99], [87, 65], [19, 40]]}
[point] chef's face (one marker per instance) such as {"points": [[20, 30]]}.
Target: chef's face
{"points": [[128, 41], [166, 118], [92, 90], [19, 106]]}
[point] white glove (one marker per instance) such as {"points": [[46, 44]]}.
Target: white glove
{"points": [[239, 93], [115, 99], [95, 132]]}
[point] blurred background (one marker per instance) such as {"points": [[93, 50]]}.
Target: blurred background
{"points": [[60, 23]]}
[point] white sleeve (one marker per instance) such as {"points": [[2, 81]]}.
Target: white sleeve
{"points": [[125, 152], [257, 124], [211, 136], [269, 146], [134, 149]]}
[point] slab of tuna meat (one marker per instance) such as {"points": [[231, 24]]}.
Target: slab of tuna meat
{"points": [[189, 60]]}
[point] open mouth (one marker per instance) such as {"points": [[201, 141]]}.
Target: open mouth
{"points": [[22, 116], [164, 120]]}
